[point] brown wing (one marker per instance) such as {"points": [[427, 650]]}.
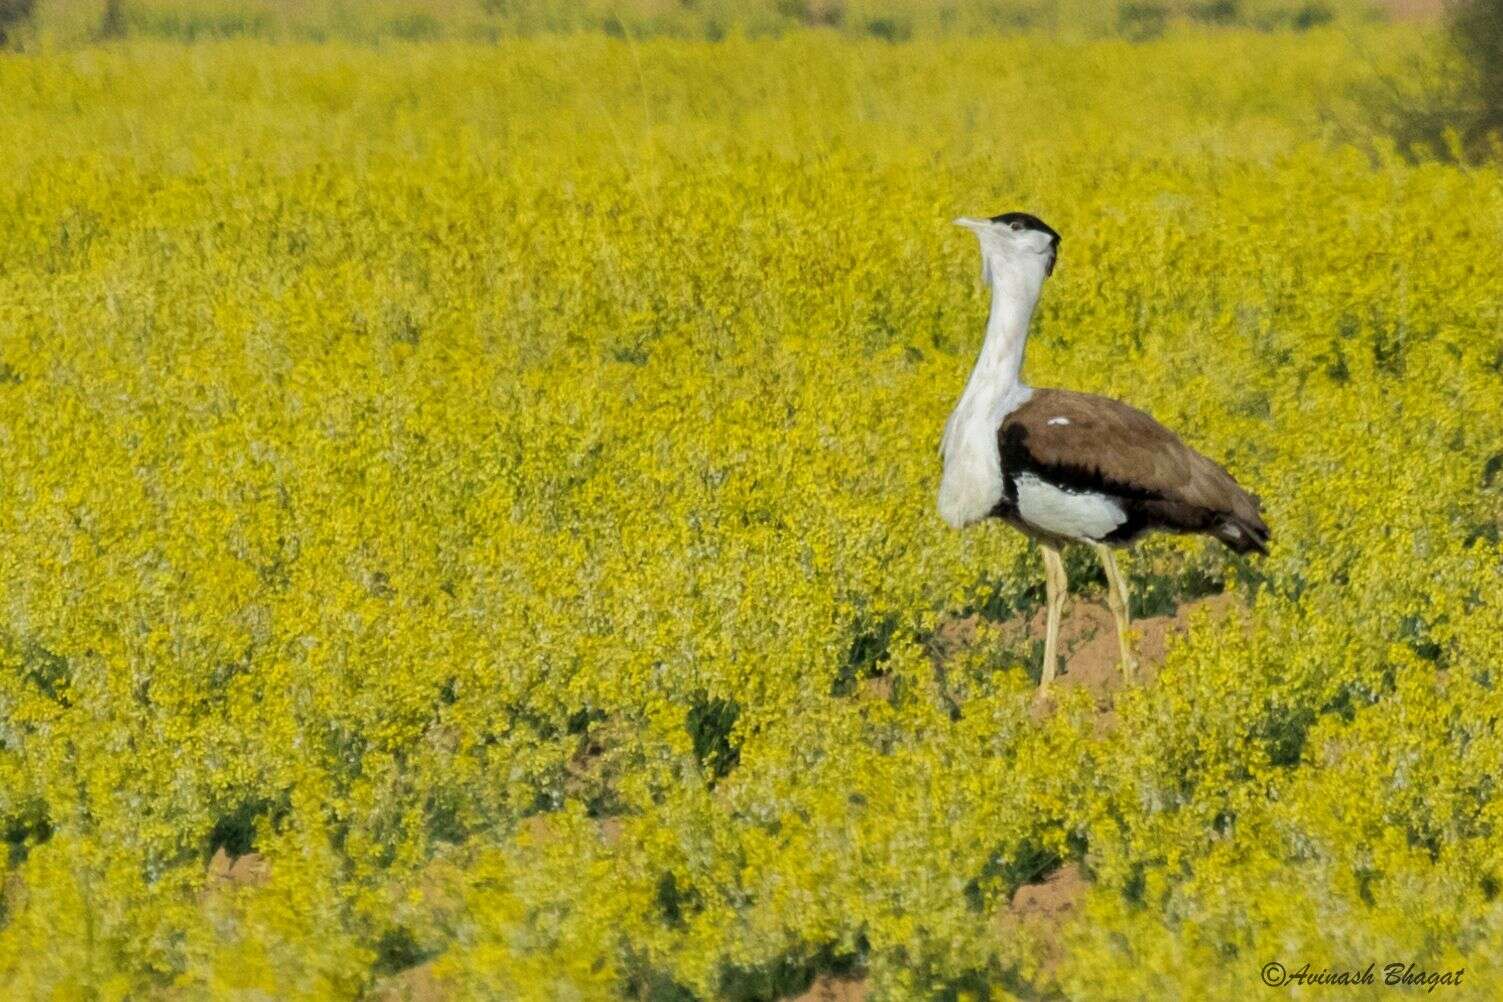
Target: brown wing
{"points": [[1083, 442]]}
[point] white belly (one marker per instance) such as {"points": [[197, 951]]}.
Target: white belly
{"points": [[1078, 515]]}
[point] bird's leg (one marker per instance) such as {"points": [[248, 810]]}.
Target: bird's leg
{"points": [[1116, 598], [1055, 585]]}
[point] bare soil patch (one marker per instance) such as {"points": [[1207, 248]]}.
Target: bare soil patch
{"points": [[225, 870], [1415, 10], [1052, 899], [1039, 910], [1088, 642], [832, 989], [416, 984]]}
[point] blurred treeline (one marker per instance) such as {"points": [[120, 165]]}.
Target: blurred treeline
{"points": [[1448, 101], [72, 21]]}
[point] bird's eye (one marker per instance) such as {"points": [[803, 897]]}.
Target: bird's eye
{"points": [[1016, 226]]}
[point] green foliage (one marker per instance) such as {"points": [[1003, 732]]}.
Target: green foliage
{"points": [[496, 486]]}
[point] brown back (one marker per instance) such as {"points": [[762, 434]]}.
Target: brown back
{"points": [[1085, 442]]}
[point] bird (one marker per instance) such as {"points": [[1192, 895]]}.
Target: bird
{"points": [[1067, 467]]}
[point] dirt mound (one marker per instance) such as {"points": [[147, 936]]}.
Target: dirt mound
{"points": [[1088, 641], [832, 989], [250, 869], [416, 984], [1052, 899], [1038, 911]]}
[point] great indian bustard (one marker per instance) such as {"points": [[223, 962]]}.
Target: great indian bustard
{"points": [[1068, 467]]}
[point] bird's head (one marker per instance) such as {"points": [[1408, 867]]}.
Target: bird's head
{"points": [[1014, 240]]}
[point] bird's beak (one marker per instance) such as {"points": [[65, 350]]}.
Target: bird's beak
{"points": [[973, 224]]}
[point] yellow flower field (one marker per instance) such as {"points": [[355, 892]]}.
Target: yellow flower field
{"points": [[495, 485]]}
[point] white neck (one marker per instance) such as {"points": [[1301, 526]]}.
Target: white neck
{"points": [[1015, 293], [972, 482]]}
